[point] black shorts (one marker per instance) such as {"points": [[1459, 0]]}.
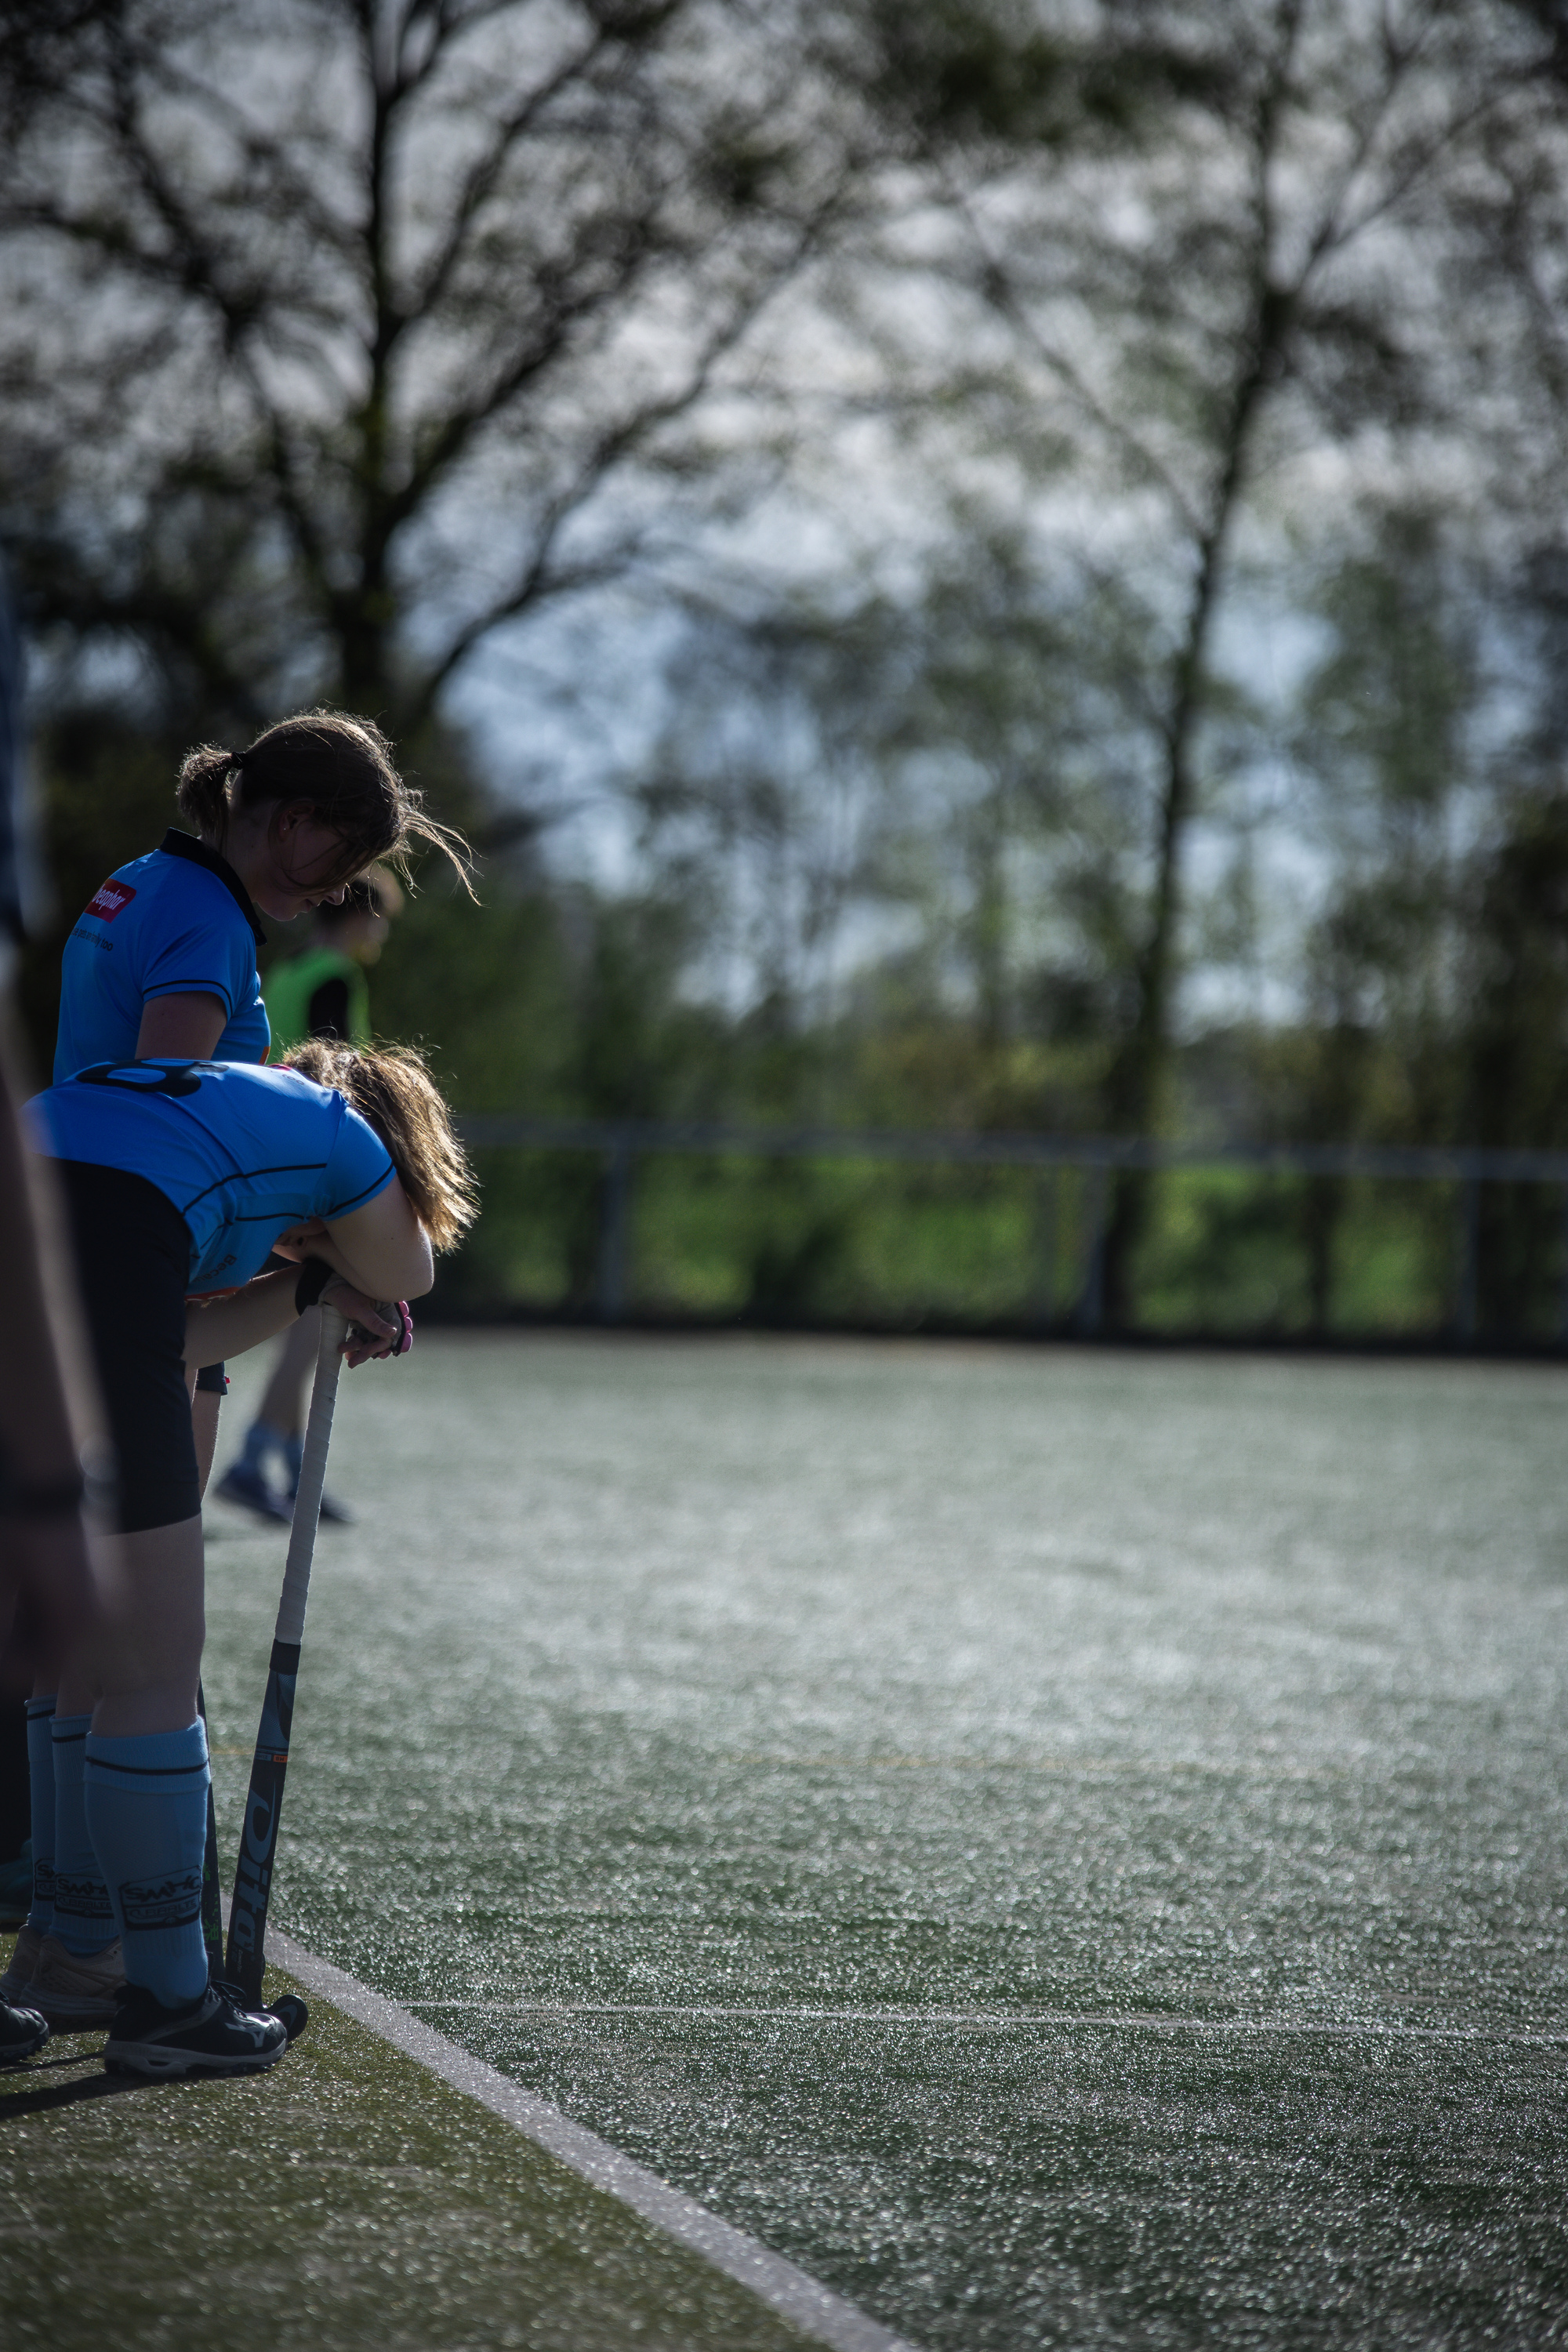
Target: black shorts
{"points": [[133, 1264]]}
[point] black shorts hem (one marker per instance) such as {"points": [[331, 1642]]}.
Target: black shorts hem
{"points": [[133, 1262]]}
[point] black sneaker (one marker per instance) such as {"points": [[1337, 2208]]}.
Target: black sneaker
{"points": [[22, 2030], [288, 2006], [213, 2035]]}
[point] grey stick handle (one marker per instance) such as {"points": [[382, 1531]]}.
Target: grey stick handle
{"points": [[290, 1626]]}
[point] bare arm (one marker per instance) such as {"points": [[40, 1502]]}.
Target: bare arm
{"points": [[219, 1328], [382, 1249], [379, 1252], [181, 1028]]}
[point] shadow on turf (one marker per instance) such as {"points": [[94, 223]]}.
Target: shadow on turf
{"points": [[64, 2094]]}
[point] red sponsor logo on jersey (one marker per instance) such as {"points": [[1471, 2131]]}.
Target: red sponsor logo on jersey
{"points": [[108, 899]]}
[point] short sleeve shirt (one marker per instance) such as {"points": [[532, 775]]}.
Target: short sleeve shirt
{"points": [[175, 922], [300, 993], [243, 1152]]}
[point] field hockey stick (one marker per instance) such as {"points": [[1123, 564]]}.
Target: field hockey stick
{"points": [[211, 1900], [263, 1798]]}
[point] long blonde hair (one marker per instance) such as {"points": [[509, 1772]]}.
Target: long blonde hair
{"points": [[393, 1091]]}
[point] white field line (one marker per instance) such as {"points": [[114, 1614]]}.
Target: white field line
{"points": [[1003, 2021], [787, 2290]]}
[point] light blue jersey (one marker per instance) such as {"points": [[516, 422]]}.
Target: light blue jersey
{"points": [[242, 1152], [175, 922]]}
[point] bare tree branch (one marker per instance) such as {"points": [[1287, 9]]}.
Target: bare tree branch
{"points": [[354, 348]]}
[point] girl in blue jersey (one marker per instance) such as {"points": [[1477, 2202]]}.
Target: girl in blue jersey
{"points": [[163, 961], [162, 957], [180, 1178]]}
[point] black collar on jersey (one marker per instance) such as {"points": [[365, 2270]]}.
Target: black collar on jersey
{"points": [[176, 844]]}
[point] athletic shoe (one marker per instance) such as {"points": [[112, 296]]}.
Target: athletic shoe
{"points": [[213, 2035], [22, 2030], [251, 1491], [17, 1889], [288, 2008], [334, 1513], [24, 1961], [76, 1991]]}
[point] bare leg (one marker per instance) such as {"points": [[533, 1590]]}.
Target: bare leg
{"points": [[205, 1406], [48, 1400], [282, 1407], [139, 1675]]}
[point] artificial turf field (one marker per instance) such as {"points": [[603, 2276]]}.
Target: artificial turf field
{"points": [[346, 2199], [1069, 1848]]}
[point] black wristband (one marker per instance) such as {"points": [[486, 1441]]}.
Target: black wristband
{"points": [[314, 1277]]}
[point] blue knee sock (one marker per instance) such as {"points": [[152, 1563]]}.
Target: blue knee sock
{"points": [[41, 1799], [147, 1812], [84, 1920], [260, 1439]]}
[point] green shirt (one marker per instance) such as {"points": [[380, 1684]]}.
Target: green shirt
{"points": [[290, 986]]}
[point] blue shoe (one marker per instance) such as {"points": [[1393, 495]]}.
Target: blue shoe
{"points": [[250, 1490], [17, 1889], [334, 1513]]}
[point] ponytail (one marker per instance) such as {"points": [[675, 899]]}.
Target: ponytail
{"points": [[343, 768], [202, 793]]}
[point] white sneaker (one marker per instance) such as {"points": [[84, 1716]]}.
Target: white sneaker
{"points": [[75, 1993], [24, 1961]]}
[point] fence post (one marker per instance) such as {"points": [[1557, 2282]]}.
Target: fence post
{"points": [[615, 1229], [1043, 1304], [1091, 1303], [1469, 1257]]}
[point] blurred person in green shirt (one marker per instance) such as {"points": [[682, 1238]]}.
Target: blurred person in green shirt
{"points": [[323, 992], [319, 992]]}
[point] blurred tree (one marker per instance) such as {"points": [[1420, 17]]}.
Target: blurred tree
{"points": [[913, 810], [1386, 753], [106, 794], [1512, 1038], [1019, 766], [341, 334], [1254, 287], [547, 1000], [338, 333], [1515, 1067], [761, 805]]}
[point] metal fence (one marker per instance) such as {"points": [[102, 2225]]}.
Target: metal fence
{"points": [[619, 1144]]}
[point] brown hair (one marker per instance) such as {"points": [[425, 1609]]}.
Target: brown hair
{"points": [[373, 892], [343, 767], [393, 1091]]}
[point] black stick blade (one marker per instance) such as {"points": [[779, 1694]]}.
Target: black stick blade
{"points": [[258, 1832]]}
